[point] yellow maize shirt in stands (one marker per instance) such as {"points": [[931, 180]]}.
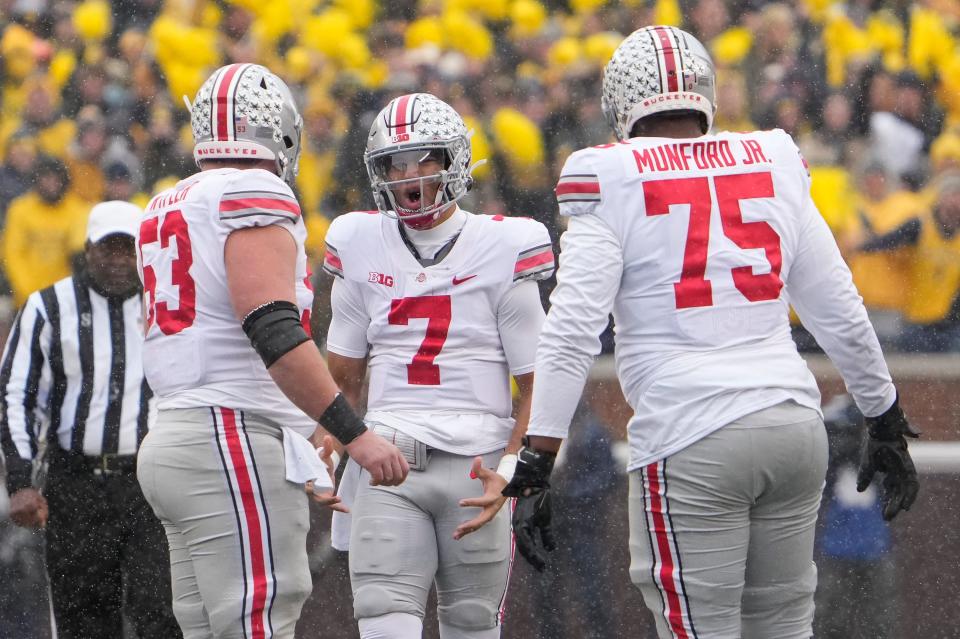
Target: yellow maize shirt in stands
{"points": [[935, 276], [883, 278], [39, 240]]}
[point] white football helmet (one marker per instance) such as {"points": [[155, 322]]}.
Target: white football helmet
{"points": [[411, 129], [655, 70], [243, 111]]}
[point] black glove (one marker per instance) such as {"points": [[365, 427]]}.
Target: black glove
{"points": [[531, 517], [885, 450]]}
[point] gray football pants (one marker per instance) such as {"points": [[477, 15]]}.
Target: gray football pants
{"points": [[721, 533], [237, 528], [401, 541]]}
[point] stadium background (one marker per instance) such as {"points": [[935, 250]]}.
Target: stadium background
{"points": [[870, 89]]}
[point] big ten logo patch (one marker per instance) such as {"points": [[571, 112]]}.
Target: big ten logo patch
{"points": [[401, 137], [380, 278]]}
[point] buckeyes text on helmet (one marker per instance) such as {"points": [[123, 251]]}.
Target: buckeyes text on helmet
{"points": [[658, 69], [245, 112], [418, 125]]}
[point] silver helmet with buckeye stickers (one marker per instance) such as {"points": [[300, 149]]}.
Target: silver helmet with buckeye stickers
{"points": [[656, 70], [410, 130], [243, 111]]}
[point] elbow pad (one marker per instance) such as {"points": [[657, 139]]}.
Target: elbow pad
{"points": [[274, 330]]}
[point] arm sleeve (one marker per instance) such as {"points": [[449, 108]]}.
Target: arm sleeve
{"points": [[21, 375], [907, 234], [591, 264], [520, 318], [347, 335], [821, 290], [258, 198]]}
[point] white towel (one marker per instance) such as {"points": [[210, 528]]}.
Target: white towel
{"points": [[340, 526], [303, 461]]}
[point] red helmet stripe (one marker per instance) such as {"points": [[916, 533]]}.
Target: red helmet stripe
{"points": [[667, 53], [401, 119], [223, 104]]}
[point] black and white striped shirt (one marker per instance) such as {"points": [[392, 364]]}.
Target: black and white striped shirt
{"points": [[72, 378]]}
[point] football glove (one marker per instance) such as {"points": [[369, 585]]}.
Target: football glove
{"points": [[885, 450], [531, 517]]}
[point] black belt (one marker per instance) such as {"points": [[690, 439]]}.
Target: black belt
{"points": [[109, 464]]}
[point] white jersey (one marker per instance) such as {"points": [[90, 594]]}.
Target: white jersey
{"points": [[438, 367], [699, 247], [196, 353]]}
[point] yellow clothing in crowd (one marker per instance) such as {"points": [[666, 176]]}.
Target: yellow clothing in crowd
{"points": [[39, 241], [935, 279], [883, 278], [86, 179]]}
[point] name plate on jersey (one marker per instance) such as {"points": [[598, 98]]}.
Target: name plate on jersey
{"points": [[414, 451]]}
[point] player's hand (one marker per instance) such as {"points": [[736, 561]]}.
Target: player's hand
{"points": [[489, 502], [532, 515], [885, 451], [330, 459], [28, 508], [380, 458]]}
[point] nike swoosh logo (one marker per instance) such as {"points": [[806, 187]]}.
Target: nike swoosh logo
{"points": [[461, 281]]}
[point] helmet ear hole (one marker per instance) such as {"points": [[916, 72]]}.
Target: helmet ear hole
{"points": [[288, 141], [263, 83]]}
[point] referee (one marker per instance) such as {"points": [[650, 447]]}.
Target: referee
{"points": [[73, 394]]}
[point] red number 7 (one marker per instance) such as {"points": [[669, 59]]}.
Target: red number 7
{"points": [[694, 289], [436, 310]]}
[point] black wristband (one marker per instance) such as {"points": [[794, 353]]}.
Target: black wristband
{"points": [[341, 422], [274, 330]]}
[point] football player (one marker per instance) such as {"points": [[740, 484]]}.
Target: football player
{"points": [[441, 305], [699, 244], [238, 379]]}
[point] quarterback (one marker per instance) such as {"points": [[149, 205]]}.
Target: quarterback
{"points": [[699, 244], [442, 306]]}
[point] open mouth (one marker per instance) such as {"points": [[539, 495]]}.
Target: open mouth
{"points": [[410, 201]]}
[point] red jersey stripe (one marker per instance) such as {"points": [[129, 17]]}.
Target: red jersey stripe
{"points": [[534, 260], [333, 261], [577, 187], [226, 206]]}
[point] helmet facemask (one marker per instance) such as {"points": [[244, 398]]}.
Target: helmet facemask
{"points": [[412, 132], [403, 190]]}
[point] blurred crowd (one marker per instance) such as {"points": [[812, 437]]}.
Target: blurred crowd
{"points": [[93, 109]]}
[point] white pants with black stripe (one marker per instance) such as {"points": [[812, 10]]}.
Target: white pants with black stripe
{"points": [[236, 528], [722, 533]]}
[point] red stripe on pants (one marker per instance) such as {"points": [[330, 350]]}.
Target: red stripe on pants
{"points": [[252, 518], [674, 614]]}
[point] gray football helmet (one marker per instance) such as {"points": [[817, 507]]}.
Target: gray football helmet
{"points": [[655, 70], [414, 128], [243, 111]]}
